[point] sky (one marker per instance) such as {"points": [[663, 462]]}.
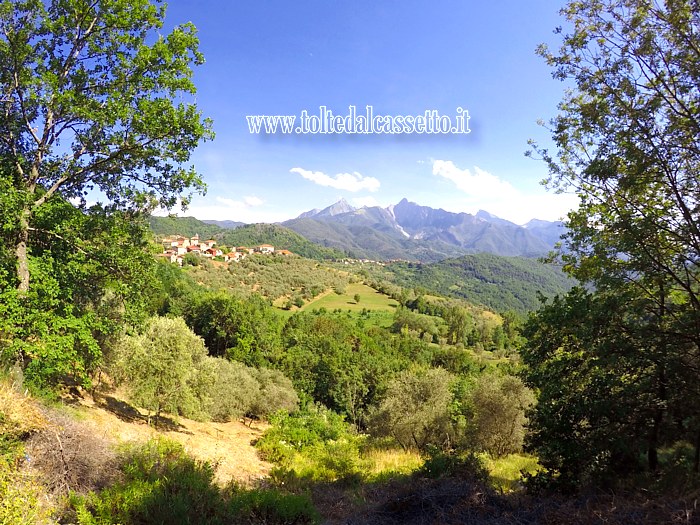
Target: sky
{"points": [[402, 59]]}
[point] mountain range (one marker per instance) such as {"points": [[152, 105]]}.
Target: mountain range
{"points": [[413, 232]]}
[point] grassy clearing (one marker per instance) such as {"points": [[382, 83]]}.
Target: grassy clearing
{"points": [[506, 472], [382, 461], [370, 299]]}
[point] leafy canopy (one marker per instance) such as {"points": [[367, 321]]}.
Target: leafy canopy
{"points": [[617, 367]]}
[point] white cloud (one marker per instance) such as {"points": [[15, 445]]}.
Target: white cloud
{"points": [[485, 191], [480, 183], [368, 201], [342, 181], [253, 201]]}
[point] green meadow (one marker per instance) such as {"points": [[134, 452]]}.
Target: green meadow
{"points": [[370, 299]]}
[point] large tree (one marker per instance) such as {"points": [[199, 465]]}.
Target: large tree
{"points": [[96, 105], [627, 141], [93, 99]]}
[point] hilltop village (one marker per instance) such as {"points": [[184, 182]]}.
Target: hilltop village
{"points": [[175, 247]]}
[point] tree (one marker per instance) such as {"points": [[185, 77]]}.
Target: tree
{"points": [[627, 143], [88, 101], [499, 404], [356, 297], [276, 393], [415, 409], [166, 368]]}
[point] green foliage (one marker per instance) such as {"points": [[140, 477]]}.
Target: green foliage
{"points": [[88, 269], [164, 485], [272, 276], [108, 98], [415, 410], [500, 283], [405, 319], [617, 368], [506, 473], [191, 259], [439, 463], [499, 404], [166, 368], [20, 498], [339, 364], [185, 226], [233, 392], [276, 394], [601, 375], [274, 507], [242, 330], [95, 99], [311, 425], [312, 445], [239, 390]]}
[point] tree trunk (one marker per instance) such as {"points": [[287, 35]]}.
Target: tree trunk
{"points": [[21, 253], [696, 462]]}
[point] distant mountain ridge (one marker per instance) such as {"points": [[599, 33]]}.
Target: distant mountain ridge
{"points": [[413, 232]]}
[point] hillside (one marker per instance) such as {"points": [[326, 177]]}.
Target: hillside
{"points": [[501, 283], [247, 235], [85, 461], [187, 226]]}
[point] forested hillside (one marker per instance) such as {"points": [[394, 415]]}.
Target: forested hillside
{"points": [[501, 283]]}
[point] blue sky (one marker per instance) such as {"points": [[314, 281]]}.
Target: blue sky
{"points": [[402, 58]]}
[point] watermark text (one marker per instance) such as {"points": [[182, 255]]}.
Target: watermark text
{"points": [[366, 122]]}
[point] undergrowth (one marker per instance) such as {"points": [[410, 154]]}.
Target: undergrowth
{"points": [[164, 485]]}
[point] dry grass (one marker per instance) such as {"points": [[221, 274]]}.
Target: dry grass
{"points": [[394, 460], [226, 445], [72, 455], [21, 414]]}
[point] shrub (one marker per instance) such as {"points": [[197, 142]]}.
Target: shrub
{"points": [[165, 485], [499, 404], [276, 393], [311, 425], [234, 391], [415, 409], [273, 507]]}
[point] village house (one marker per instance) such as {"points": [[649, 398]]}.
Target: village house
{"points": [[265, 248], [175, 246]]}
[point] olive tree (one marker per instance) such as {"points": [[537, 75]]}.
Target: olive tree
{"points": [[415, 409], [166, 368]]}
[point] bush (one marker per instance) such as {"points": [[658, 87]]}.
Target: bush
{"points": [[165, 485], [415, 410], [499, 404], [290, 433], [439, 464], [276, 393], [233, 391], [274, 507]]}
